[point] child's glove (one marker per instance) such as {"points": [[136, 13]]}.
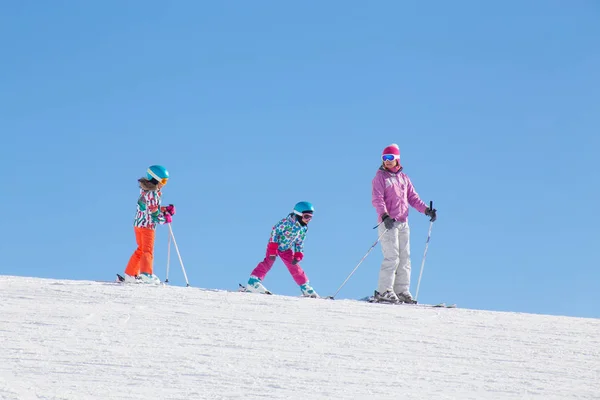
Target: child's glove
{"points": [[297, 258], [272, 250], [387, 221], [168, 218], [168, 209]]}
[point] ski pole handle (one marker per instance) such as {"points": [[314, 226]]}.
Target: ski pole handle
{"points": [[429, 211]]}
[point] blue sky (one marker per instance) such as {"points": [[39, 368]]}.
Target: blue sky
{"points": [[253, 106]]}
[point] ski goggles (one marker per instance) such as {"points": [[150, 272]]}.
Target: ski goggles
{"points": [[162, 181], [389, 157], [307, 216]]}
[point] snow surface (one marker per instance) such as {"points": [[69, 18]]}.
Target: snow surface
{"points": [[64, 339]]}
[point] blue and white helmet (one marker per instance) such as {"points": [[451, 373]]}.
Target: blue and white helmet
{"points": [[303, 207], [157, 172]]}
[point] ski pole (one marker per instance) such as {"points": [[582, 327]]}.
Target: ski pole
{"points": [[168, 258], [424, 253], [179, 255], [360, 262]]}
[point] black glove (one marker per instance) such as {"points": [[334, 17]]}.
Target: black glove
{"points": [[432, 213], [387, 221]]}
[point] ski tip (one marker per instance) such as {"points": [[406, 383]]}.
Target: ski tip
{"points": [[120, 278]]}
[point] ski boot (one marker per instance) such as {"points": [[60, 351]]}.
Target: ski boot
{"points": [[255, 286], [308, 291], [406, 297], [149, 279], [386, 297]]}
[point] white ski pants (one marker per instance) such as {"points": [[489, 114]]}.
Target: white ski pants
{"points": [[395, 268]]}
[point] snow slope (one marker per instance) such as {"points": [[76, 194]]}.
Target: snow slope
{"points": [[88, 340]]}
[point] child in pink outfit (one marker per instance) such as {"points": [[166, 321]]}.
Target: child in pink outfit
{"points": [[287, 242]]}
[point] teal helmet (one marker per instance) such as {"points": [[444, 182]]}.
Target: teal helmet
{"points": [[158, 173], [303, 207]]}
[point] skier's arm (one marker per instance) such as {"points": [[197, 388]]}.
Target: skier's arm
{"points": [[278, 230], [299, 243], [413, 197], [377, 191], [153, 202]]}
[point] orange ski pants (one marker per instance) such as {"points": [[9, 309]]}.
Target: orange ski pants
{"points": [[143, 257]]}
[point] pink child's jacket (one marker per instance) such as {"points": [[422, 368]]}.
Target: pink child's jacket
{"points": [[392, 193]]}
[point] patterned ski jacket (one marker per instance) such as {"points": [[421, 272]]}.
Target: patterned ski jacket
{"points": [[289, 234], [148, 213], [392, 193]]}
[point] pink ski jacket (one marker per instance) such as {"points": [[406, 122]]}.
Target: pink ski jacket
{"points": [[392, 192]]}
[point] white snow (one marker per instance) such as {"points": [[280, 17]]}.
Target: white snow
{"points": [[64, 339]]}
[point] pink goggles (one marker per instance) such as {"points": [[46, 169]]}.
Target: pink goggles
{"points": [[389, 157]]}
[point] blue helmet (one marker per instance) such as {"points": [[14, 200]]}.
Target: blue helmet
{"points": [[157, 172], [303, 207]]}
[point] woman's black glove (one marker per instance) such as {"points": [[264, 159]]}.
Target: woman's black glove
{"points": [[432, 213], [387, 221]]}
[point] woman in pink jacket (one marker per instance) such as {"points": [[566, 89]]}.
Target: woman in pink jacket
{"points": [[392, 193]]}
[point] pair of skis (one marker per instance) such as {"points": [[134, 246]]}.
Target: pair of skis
{"points": [[372, 299]]}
